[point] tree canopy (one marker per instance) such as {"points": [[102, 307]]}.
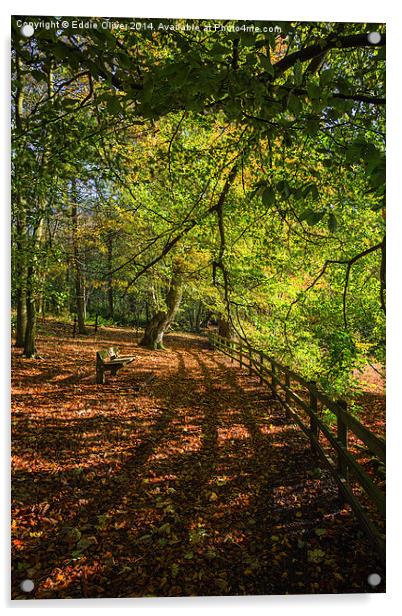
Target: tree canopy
{"points": [[202, 170]]}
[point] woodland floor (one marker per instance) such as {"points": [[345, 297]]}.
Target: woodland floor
{"points": [[195, 483]]}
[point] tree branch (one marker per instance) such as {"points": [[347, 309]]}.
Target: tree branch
{"points": [[308, 53], [349, 263]]}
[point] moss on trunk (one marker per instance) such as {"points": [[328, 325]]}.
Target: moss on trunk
{"points": [[159, 323]]}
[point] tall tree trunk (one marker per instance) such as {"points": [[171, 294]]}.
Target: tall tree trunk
{"points": [[198, 317], [205, 321], [21, 317], [34, 280], [78, 282], [70, 283], [21, 274], [85, 295], [190, 317], [157, 326], [224, 328], [32, 293], [30, 330], [21, 231], [110, 297], [80, 302]]}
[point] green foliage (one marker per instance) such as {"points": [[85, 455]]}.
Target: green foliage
{"points": [[147, 126]]}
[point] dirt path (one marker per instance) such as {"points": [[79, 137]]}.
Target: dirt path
{"points": [[195, 484]]}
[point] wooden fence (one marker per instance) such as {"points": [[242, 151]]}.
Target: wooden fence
{"points": [[340, 461]]}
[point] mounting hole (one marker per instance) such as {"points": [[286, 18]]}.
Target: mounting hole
{"points": [[27, 585], [27, 30], [374, 38], [374, 579]]}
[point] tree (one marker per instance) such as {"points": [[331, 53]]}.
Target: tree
{"points": [[160, 322], [260, 157]]}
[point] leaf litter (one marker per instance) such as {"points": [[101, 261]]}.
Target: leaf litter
{"points": [[195, 484]]}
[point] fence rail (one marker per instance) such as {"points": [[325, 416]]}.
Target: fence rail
{"points": [[341, 462]]}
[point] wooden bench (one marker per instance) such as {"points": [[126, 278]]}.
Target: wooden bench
{"points": [[109, 359]]}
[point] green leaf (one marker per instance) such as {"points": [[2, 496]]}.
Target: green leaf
{"points": [[298, 193], [165, 528], [284, 188], [312, 127], [378, 206], [298, 73], [59, 50], [315, 556], [326, 76], [124, 59], [268, 196], [332, 222], [113, 105], [247, 38], [294, 104], [38, 75], [253, 193], [311, 189], [218, 49], [311, 217], [355, 151], [313, 90], [266, 64]]}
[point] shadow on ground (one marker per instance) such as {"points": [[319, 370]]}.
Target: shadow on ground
{"points": [[195, 483]]}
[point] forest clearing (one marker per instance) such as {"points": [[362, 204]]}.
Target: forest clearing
{"points": [[198, 297]]}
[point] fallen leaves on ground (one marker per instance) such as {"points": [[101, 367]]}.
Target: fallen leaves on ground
{"points": [[194, 484]]}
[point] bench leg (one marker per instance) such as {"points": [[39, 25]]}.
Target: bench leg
{"points": [[100, 376]]}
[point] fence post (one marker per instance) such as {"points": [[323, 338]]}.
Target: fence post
{"points": [[96, 323], [75, 326], [313, 424], [342, 436], [262, 363], [231, 351], [287, 383], [241, 355], [250, 355]]}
